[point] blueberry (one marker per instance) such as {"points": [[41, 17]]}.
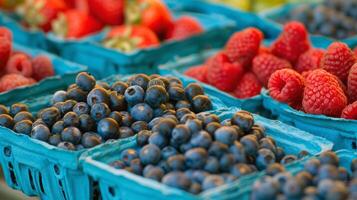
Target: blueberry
{"points": [[258, 131], [119, 87], [173, 81], [226, 135], [85, 81], [134, 95], [23, 126], [212, 181], [229, 178], [141, 80], [3, 110], [71, 134], [282, 178], [195, 188], [142, 112], [98, 95], [156, 81], [50, 115], [90, 139], [177, 180], [353, 188], [70, 119], [81, 108], [99, 111], [41, 132], [304, 178], [329, 157], [158, 139], [198, 176], [67, 146], [55, 139], [312, 166], [86, 123], [212, 165], [201, 103], [250, 144], [142, 137], [139, 126], [265, 158], [217, 149], [117, 101], [155, 96], [265, 188], [194, 125], [212, 127], [77, 94], [23, 115], [67, 106], [328, 172], [339, 191], [196, 158], [243, 119], [17, 107], [180, 134], [116, 116], [154, 173], [118, 164], [150, 154], [192, 90], [108, 128], [274, 168], [128, 155], [164, 126], [176, 93], [186, 117], [6, 121], [238, 152], [176, 162], [279, 154], [288, 159], [136, 165], [266, 143], [160, 111], [126, 132], [293, 189], [201, 139], [38, 122], [354, 165], [183, 104], [169, 106], [324, 186], [240, 169], [226, 161], [164, 166], [168, 151], [185, 147], [303, 154], [127, 120]]}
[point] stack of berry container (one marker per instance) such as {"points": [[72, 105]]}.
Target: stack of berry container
{"points": [[40, 169], [117, 183]]}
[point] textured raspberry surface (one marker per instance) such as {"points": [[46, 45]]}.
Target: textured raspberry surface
{"points": [[292, 42], [286, 85], [309, 60], [350, 112], [244, 45], [12, 81], [197, 72], [4, 32], [222, 73], [323, 94], [338, 60], [248, 86], [352, 83], [19, 64], [42, 67], [264, 65], [5, 51]]}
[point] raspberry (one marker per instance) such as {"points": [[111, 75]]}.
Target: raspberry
{"points": [[350, 112], [309, 60], [11, 81], [352, 83], [185, 27], [248, 86], [19, 64], [223, 74], [4, 32], [244, 45], [286, 85], [5, 51], [338, 60], [264, 49], [197, 72], [264, 65], [355, 51], [323, 94], [292, 42], [42, 67]]}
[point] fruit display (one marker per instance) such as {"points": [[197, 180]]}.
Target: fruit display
{"points": [[18, 68], [90, 113], [324, 177]]}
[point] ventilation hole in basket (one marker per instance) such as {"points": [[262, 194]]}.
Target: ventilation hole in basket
{"points": [[41, 183], [10, 166], [57, 170], [62, 190], [354, 145], [31, 180], [7, 151], [111, 191], [13, 177], [95, 191]]}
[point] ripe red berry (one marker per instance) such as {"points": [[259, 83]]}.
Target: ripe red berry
{"points": [[352, 83], [222, 73], [338, 60], [5, 51], [244, 45], [198, 72], [42, 67], [12, 81], [286, 85], [264, 65], [19, 64], [309, 60], [350, 112], [4, 32], [185, 27], [292, 42], [248, 86], [323, 94]]}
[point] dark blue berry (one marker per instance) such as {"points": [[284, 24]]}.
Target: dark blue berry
{"points": [[17, 107], [55, 139], [328, 172], [265, 157], [67, 106], [67, 146], [155, 96], [185, 147], [274, 169], [70, 119], [168, 151], [23, 115], [116, 116], [266, 143], [195, 188], [212, 127], [182, 111], [126, 132], [117, 101], [212, 181], [118, 164], [156, 81], [86, 123], [50, 115], [141, 80], [23, 126], [134, 95], [196, 158], [250, 144], [226, 161], [192, 90], [164, 126], [160, 111], [81, 108], [139, 126], [186, 117], [279, 154], [119, 87], [176, 93], [212, 165], [238, 151], [312, 166], [243, 120], [98, 95], [265, 188], [179, 135], [136, 165], [173, 81], [303, 154], [329, 157], [90, 139], [150, 154], [128, 155], [127, 120], [177, 180], [142, 137], [194, 125], [6, 121], [217, 149], [77, 94], [226, 134], [240, 169], [154, 173], [38, 122], [293, 189], [201, 139], [176, 162], [99, 111], [41, 132], [354, 165], [3, 110], [201, 103], [85, 81], [142, 112], [108, 128], [158, 139], [183, 104], [288, 159], [71, 134]]}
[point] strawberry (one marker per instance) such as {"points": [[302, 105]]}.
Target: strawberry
{"points": [[309, 60], [185, 27], [75, 24], [198, 72], [5, 51], [127, 38], [150, 13], [19, 64], [110, 12], [12, 81], [338, 60], [222, 73], [244, 45], [292, 42], [248, 86], [40, 13], [42, 67]]}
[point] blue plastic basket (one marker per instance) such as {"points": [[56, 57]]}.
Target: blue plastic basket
{"points": [[65, 73], [342, 132], [178, 66], [120, 184], [318, 41], [37, 168]]}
